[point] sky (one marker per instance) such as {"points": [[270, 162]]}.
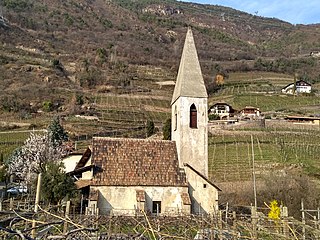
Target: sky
{"points": [[293, 11]]}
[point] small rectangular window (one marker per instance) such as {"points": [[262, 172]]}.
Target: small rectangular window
{"points": [[175, 121], [204, 185], [156, 207]]}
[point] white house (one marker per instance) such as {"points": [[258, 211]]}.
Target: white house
{"points": [[223, 110], [301, 87]]}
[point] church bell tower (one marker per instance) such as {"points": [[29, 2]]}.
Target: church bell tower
{"points": [[190, 110]]}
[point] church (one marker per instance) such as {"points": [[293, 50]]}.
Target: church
{"points": [[125, 176]]}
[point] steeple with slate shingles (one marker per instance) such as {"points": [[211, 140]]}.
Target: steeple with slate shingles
{"points": [[190, 111], [189, 82]]}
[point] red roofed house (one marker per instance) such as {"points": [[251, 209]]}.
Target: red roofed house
{"points": [[127, 176], [250, 113]]}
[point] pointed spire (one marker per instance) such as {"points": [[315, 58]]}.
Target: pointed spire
{"points": [[189, 82]]}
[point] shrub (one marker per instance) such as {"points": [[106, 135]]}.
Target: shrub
{"points": [[68, 19], [56, 184], [17, 5], [47, 106], [167, 130], [150, 128], [79, 100], [213, 117]]}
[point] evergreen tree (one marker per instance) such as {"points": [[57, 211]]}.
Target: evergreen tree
{"points": [[167, 130], [56, 184], [56, 132], [150, 128]]}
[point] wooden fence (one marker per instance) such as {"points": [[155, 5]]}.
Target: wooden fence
{"points": [[19, 221]]}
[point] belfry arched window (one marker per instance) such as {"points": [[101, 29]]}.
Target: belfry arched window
{"points": [[193, 116]]}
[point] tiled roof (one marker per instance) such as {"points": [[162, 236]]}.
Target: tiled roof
{"points": [[190, 81], [202, 176], [136, 162], [82, 183]]}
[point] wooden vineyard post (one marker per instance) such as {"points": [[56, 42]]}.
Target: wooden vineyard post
{"points": [[36, 203], [234, 217], [254, 220], [11, 204], [65, 225], [303, 218], [285, 222]]}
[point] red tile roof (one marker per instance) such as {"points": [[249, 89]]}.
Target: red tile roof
{"points": [[136, 162]]}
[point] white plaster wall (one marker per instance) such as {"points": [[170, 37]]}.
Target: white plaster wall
{"points": [[299, 89], [70, 162], [87, 175], [122, 200], [192, 144], [304, 89], [203, 200]]}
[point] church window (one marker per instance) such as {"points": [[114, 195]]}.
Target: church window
{"points": [[193, 116], [156, 207], [204, 185]]}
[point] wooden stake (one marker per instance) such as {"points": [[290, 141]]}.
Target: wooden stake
{"points": [[65, 225], [303, 220], [36, 206]]}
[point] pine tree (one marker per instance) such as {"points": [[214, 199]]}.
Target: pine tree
{"points": [[57, 133], [150, 128], [167, 130]]}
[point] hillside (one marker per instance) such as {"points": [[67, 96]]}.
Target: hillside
{"points": [[117, 60], [108, 66], [84, 44]]}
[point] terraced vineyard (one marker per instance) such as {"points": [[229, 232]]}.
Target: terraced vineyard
{"points": [[11, 140], [231, 154], [124, 115], [263, 90]]}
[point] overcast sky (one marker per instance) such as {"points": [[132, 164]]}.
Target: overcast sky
{"points": [[293, 11]]}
